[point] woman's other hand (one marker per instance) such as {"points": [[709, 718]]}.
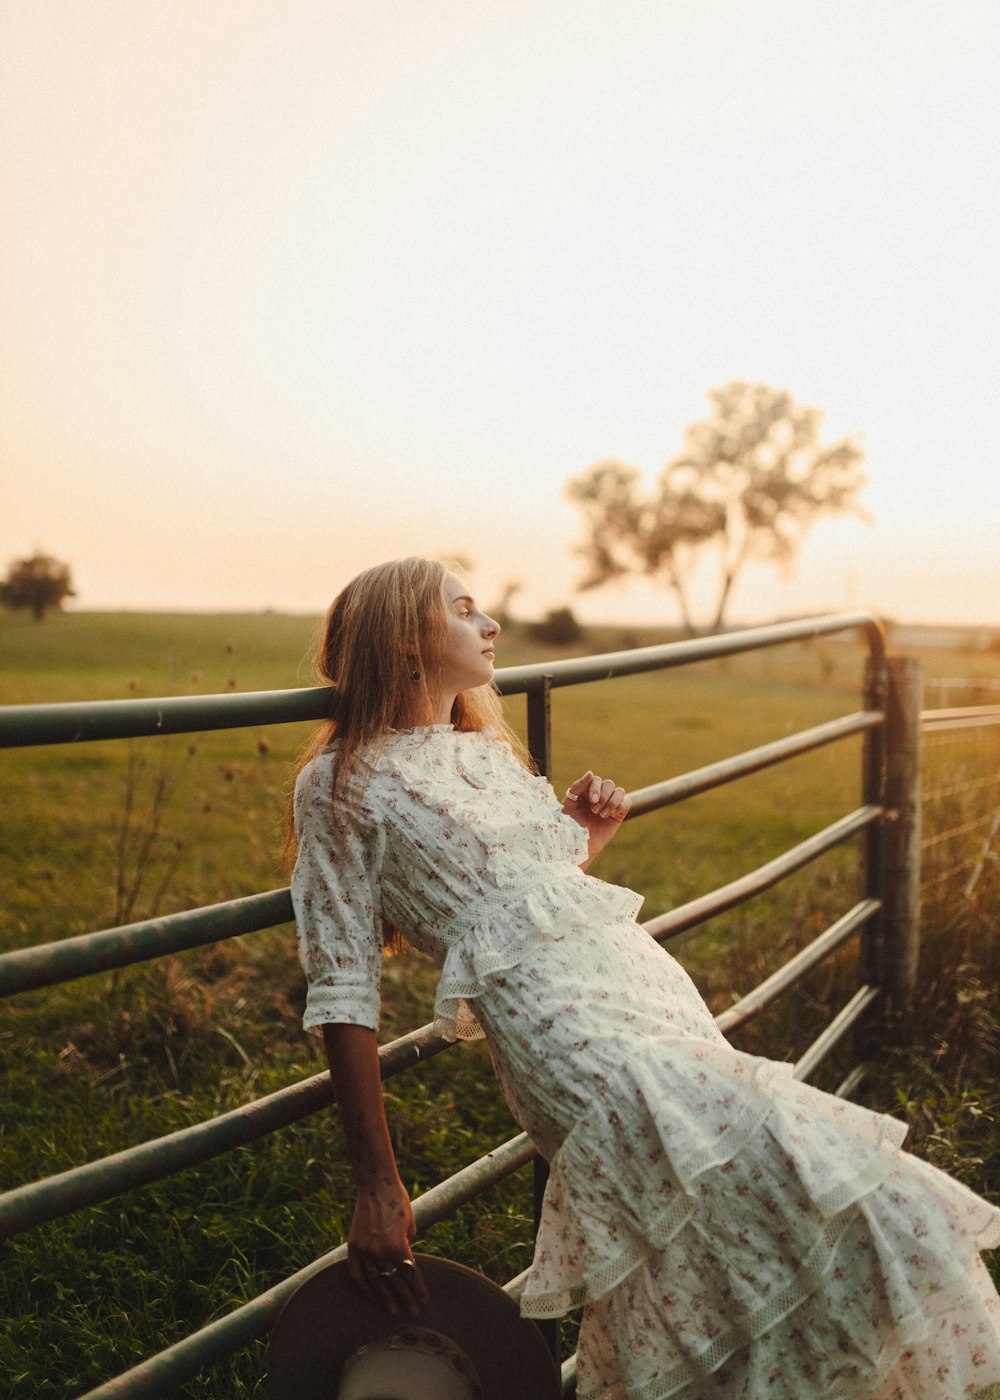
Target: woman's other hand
{"points": [[380, 1260], [599, 806]]}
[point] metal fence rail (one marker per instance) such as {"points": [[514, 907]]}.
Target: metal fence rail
{"points": [[65, 960], [81, 721]]}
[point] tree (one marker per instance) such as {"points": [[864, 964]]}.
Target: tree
{"points": [[559, 628], [38, 583], [750, 481]]}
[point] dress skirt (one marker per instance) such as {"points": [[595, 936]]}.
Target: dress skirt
{"points": [[730, 1232]]}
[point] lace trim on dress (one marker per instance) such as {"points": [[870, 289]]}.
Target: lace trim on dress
{"points": [[452, 1014]]}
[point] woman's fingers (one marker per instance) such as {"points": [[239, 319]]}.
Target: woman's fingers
{"points": [[580, 789], [605, 793], [602, 795], [362, 1274], [386, 1288], [402, 1285], [615, 803], [409, 1282], [394, 1284]]}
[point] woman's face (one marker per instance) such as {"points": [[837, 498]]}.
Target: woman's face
{"points": [[467, 658]]}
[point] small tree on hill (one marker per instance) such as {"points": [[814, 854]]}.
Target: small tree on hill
{"points": [[559, 627], [38, 583], [751, 480]]}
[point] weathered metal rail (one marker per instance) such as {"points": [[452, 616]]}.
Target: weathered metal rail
{"points": [[61, 960], [84, 721], [66, 959]]}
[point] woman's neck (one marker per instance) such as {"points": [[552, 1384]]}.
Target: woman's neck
{"points": [[443, 710], [439, 711]]}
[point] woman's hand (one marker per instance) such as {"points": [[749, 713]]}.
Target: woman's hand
{"points": [[599, 806], [380, 1260]]}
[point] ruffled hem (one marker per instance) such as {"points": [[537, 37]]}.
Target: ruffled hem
{"points": [[546, 905], [616, 1202], [947, 1347], [819, 1220]]}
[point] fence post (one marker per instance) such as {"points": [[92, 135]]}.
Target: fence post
{"points": [[901, 917], [873, 794], [539, 697]]}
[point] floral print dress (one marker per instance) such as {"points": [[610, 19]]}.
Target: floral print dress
{"points": [[730, 1232]]}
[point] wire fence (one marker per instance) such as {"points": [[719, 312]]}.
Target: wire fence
{"points": [[961, 799], [961, 690]]}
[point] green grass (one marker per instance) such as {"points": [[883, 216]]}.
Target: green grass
{"points": [[98, 1065]]}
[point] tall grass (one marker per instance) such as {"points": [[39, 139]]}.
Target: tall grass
{"points": [[98, 1065]]}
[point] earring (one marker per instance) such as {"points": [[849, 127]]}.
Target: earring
{"points": [[414, 676]]}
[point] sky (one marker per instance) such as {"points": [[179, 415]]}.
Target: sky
{"points": [[288, 287]]}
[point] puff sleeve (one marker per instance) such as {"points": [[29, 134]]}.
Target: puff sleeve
{"points": [[336, 895]]}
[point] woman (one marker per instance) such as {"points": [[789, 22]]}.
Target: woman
{"points": [[730, 1232]]}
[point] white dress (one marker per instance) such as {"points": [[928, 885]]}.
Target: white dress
{"points": [[731, 1232]]}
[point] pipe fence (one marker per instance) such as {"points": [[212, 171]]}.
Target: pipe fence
{"points": [[883, 921]]}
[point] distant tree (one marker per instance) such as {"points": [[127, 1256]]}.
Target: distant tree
{"points": [[750, 481], [630, 533], [559, 627], [38, 583]]}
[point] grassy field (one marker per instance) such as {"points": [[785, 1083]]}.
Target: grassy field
{"points": [[109, 831]]}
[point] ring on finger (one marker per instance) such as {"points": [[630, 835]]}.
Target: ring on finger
{"points": [[387, 1273]]}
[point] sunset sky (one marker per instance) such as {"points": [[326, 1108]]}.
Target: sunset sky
{"points": [[291, 286]]}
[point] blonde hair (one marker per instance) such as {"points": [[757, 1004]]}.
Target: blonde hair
{"points": [[382, 651]]}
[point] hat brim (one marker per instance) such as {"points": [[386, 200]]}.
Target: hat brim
{"points": [[326, 1319]]}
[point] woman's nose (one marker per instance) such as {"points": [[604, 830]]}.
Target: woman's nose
{"points": [[491, 627]]}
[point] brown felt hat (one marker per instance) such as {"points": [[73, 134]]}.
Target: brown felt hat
{"points": [[469, 1340]]}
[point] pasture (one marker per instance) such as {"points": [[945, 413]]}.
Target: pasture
{"points": [[106, 832]]}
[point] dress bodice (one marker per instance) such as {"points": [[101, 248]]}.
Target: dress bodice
{"points": [[441, 834]]}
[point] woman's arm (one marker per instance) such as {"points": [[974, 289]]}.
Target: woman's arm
{"points": [[599, 806], [383, 1228]]}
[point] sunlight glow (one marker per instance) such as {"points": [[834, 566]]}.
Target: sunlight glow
{"points": [[286, 288]]}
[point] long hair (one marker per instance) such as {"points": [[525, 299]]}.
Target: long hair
{"points": [[382, 651]]}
